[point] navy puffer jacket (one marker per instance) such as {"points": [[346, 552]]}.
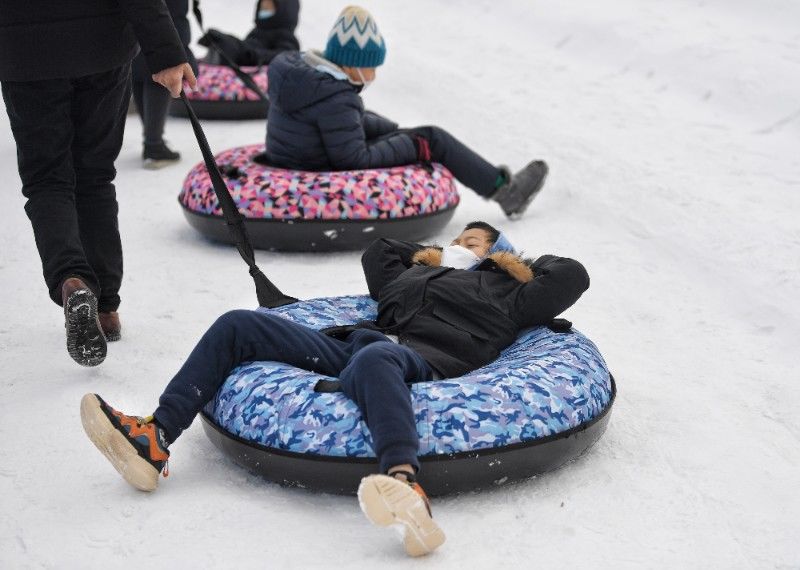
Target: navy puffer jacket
{"points": [[318, 122]]}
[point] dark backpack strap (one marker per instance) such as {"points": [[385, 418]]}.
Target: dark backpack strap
{"points": [[268, 294], [198, 15], [243, 77]]}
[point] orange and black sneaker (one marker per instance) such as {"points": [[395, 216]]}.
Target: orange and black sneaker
{"points": [[135, 446], [392, 501]]}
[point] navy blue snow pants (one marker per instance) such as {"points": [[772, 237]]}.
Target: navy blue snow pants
{"points": [[469, 168], [372, 369]]}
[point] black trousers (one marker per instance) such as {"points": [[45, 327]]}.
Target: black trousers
{"points": [[152, 103], [469, 168], [153, 100], [68, 134]]}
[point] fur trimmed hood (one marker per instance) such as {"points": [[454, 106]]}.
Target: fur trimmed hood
{"points": [[462, 320], [512, 264]]}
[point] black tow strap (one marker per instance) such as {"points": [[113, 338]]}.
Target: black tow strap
{"points": [[245, 78], [268, 294]]}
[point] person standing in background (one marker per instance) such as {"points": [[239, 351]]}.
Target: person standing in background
{"points": [[65, 76], [152, 100]]}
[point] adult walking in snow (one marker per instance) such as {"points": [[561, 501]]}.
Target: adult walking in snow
{"points": [[152, 100], [441, 313], [65, 75], [275, 23], [317, 120]]}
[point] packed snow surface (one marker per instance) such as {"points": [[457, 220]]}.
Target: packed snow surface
{"points": [[672, 130]]}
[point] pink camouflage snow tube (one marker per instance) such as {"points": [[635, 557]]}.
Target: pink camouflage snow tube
{"points": [[322, 210]]}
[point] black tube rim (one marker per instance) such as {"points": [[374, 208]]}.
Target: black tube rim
{"points": [[337, 221], [485, 452]]}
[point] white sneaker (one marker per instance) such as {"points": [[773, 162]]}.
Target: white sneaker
{"points": [[388, 501]]}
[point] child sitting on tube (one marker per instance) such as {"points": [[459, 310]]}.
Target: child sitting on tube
{"points": [[477, 295], [317, 120]]}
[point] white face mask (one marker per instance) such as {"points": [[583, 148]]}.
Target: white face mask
{"points": [[363, 83], [458, 257]]}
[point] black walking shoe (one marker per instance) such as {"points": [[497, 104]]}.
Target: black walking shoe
{"points": [[517, 194], [112, 328], [158, 155], [86, 343]]}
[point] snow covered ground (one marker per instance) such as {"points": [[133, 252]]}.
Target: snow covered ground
{"points": [[673, 133]]}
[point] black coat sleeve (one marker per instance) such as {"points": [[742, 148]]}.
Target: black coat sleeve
{"points": [[385, 260], [346, 145], [376, 125], [558, 282], [179, 11], [155, 31]]}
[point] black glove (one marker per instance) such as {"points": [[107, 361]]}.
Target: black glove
{"points": [[231, 46]]}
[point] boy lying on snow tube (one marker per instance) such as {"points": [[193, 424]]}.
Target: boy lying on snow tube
{"points": [[275, 22], [316, 120], [496, 294]]}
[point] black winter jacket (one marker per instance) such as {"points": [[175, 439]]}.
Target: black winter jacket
{"points": [[318, 122], [273, 35], [54, 39], [178, 11], [460, 320], [270, 37]]}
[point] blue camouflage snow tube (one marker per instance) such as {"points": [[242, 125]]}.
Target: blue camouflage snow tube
{"points": [[544, 401]]}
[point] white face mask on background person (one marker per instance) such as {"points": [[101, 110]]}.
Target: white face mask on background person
{"points": [[458, 257], [363, 83], [266, 10]]}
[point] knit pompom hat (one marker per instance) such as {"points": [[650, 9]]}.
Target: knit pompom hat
{"points": [[355, 40]]}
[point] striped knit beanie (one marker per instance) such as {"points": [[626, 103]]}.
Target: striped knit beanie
{"points": [[355, 40]]}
